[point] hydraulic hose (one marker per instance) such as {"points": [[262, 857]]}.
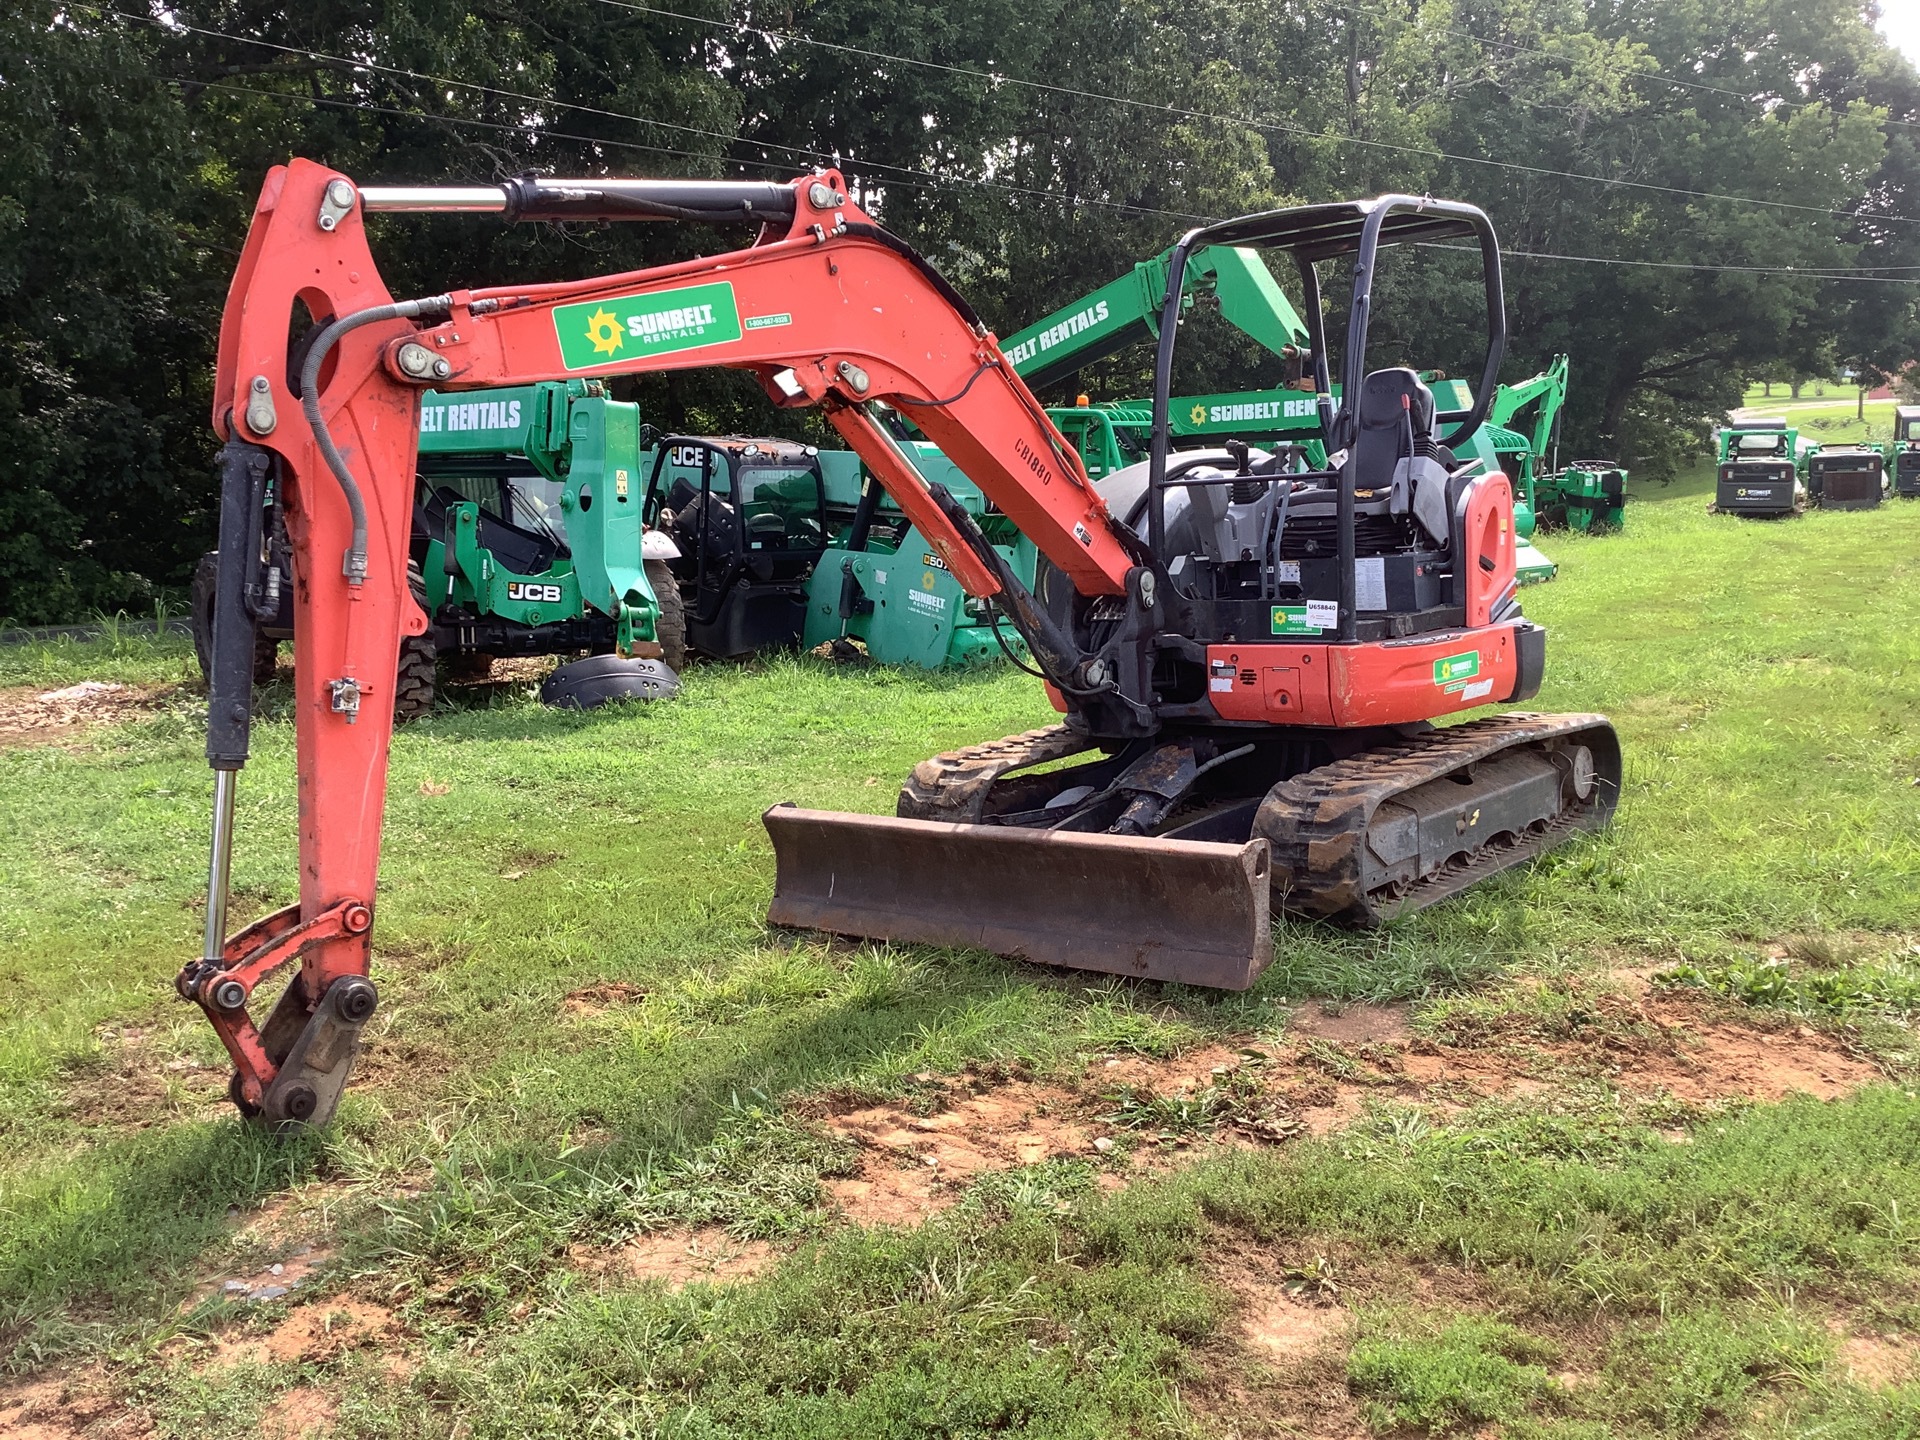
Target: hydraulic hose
{"points": [[354, 566]]}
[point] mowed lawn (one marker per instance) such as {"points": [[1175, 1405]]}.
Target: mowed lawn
{"points": [[1836, 418], [1622, 1144]]}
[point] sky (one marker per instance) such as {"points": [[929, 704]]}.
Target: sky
{"points": [[1900, 23]]}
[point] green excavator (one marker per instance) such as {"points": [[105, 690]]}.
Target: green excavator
{"points": [[1585, 495]]}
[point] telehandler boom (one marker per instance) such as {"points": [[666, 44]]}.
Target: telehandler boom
{"points": [[1247, 655]]}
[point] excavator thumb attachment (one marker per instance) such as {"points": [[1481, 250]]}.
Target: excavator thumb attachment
{"points": [[1186, 911]]}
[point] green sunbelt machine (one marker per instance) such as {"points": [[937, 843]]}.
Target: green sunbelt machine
{"points": [[782, 544], [526, 540], [548, 520]]}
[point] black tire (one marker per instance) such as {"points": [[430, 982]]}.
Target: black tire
{"points": [[671, 629], [266, 650], [413, 685], [469, 667]]}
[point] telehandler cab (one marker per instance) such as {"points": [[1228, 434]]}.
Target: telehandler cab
{"points": [[1248, 656]]}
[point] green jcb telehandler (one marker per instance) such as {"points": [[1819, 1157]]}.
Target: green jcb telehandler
{"points": [[527, 540]]}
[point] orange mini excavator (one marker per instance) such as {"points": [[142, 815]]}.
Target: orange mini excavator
{"points": [[1248, 653]]}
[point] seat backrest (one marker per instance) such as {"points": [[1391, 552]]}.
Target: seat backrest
{"points": [[1395, 413], [514, 550]]}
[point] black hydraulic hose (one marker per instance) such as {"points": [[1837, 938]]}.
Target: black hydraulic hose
{"points": [[355, 565], [993, 619]]}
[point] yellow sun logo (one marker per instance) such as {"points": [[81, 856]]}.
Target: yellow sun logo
{"points": [[603, 329], [1198, 415]]}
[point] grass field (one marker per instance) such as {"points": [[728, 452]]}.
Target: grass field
{"points": [[1624, 1144], [1830, 419]]}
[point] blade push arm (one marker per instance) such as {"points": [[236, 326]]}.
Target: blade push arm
{"points": [[825, 308]]}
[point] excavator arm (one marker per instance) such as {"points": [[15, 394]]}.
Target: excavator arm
{"points": [[824, 307], [1548, 390]]}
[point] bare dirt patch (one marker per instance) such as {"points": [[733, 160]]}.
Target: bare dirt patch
{"points": [[597, 999], [314, 1333], [30, 716], [1278, 1325], [55, 1407], [1134, 1114], [1879, 1362], [914, 1165], [1700, 1050], [133, 1082], [305, 1410], [1276, 1365], [678, 1258], [1353, 1024]]}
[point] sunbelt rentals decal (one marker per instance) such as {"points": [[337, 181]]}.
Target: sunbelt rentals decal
{"points": [[443, 417], [1454, 674], [1094, 314], [1240, 412], [632, 327]]}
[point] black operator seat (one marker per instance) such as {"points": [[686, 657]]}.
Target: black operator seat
{"points": [[1395, 415]]}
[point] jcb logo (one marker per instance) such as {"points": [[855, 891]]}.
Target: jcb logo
{"points": [[533, 593]]}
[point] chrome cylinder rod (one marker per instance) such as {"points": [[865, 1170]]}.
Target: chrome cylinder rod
{"points": [[428, 199], [220, 865], [541, 197]]}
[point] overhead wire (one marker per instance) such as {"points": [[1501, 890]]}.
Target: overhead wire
{"points": [[1631, 77], [813, 156], [1250, 122], [1844, 273], [905, 175]]}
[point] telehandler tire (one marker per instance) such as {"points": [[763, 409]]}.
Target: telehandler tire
{"points": [[671, 631], [415, 680]]}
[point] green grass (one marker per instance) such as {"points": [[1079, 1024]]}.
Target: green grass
{"points": [[1765, 678], [1835, 418]]}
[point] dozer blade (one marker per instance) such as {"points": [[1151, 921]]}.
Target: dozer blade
{"points": [[1179, 910]]}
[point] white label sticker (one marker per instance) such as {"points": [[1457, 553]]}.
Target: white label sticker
{"points": [[1324, 613], [1370, 583], [1476, 691], [1287, 572], [879, 577], [1220, 683]]}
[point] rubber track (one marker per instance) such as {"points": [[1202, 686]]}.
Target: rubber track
{"points": [[1317, 823], [953, 786]]}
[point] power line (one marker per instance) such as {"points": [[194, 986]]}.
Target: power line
{"points": [[186, 82], [1276, 127], [547, 102], [1630, 77], [1836, 273], [435, 117]]}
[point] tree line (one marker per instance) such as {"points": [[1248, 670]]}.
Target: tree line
{"points": [[1691, 193]]}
